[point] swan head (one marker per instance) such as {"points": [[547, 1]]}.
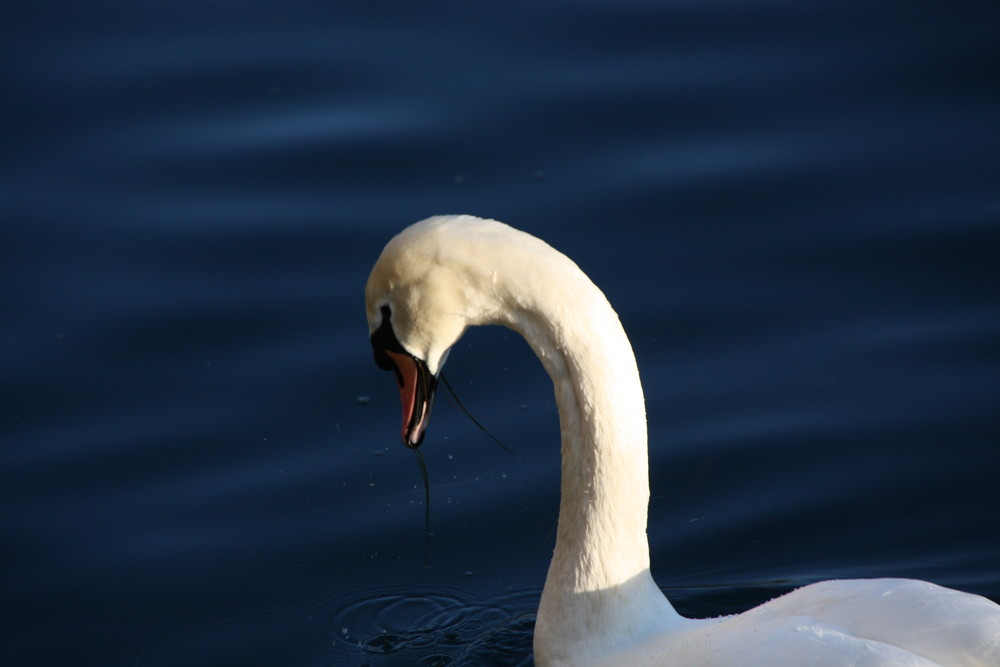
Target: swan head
{"points": [[417, 383], [425, 289]]}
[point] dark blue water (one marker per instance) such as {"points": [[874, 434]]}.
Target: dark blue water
{"points": [[796, 211]]}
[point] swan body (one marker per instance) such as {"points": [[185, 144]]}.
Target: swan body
{"points": [[600, 605]]}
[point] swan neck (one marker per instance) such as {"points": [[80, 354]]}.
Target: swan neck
{"points": [[601, 537]]}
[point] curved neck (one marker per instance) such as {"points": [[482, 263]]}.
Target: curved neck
{"points": [[599, 589], [601, 538]]}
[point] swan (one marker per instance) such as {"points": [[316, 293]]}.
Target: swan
{"points": [[600, 605]]}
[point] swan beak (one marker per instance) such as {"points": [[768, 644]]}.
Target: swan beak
{"points": [[416, 393]]}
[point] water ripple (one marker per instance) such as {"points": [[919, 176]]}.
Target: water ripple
{"points": [[428, 626]]}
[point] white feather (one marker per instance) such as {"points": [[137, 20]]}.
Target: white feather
{"points": [[600, 605]]}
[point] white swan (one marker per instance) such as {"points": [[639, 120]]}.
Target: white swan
{"points": [[600, 605]]}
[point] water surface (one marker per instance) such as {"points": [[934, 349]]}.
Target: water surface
{"points": [[794, 209]]}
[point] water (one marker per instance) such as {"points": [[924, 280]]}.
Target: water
{"points": [[794, 209]]}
